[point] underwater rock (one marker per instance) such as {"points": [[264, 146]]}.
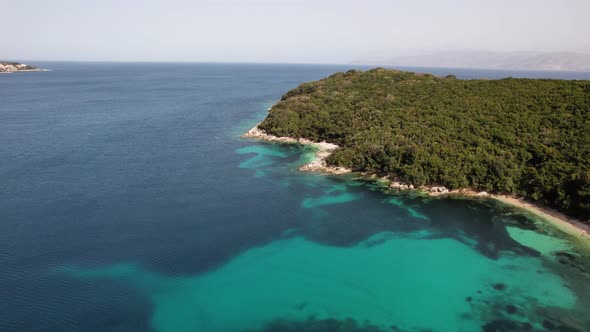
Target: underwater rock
{"points": [[560, 327], [301, 305], [511, 309], [565, 254], [564, 328], [521, 221], [499, 286], [548, 325], [313, 324], [505, 325]]}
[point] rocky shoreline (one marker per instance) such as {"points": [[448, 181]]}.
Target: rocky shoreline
{"points": [[323, 150], [13, 67], [564, 223]]}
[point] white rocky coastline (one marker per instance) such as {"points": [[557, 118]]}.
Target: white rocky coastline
{"points": [[324, 149], [433, 190]]}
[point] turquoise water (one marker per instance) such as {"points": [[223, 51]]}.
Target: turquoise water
{"points": [[296, 278], [410, 280], [129, 202]]}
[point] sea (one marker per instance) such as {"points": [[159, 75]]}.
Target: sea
{"points": [[129, 202]]}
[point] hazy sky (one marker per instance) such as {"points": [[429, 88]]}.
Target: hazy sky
{"points": [[330, 31]]}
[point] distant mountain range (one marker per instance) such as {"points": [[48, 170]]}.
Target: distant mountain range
{"points": [[489, 60]]}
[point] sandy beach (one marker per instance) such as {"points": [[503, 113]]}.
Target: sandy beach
{"points": [[562, 222]]}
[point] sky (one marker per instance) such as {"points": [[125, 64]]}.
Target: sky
{"points": [[286, 31]]}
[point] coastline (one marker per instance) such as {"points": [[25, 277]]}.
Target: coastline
{"points": [[560, 221], [323, 150], [23, 70]]}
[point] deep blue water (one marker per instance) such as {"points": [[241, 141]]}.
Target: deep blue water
{"points": [[127, 197]]}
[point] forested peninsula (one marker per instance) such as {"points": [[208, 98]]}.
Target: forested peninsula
{"points": [[524, 137]]}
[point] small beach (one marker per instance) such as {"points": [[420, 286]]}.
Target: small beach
{"points": [[562, 222]]}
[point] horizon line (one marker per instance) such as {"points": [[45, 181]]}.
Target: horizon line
{"points": [[374, 65]]}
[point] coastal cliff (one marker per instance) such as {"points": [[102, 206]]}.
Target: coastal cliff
{"points": [[11, 67]]}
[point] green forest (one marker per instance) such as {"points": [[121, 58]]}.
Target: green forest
{"points": [[529, 137]]}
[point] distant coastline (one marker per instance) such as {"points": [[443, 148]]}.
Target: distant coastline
{"points": [[571, 226], [481, 59], [7, 67]]}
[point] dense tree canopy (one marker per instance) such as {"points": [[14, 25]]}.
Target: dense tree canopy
{"points": [[529, 137]]}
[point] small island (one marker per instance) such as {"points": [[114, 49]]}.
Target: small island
{"points": [[510, 138], [11, 67]]}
